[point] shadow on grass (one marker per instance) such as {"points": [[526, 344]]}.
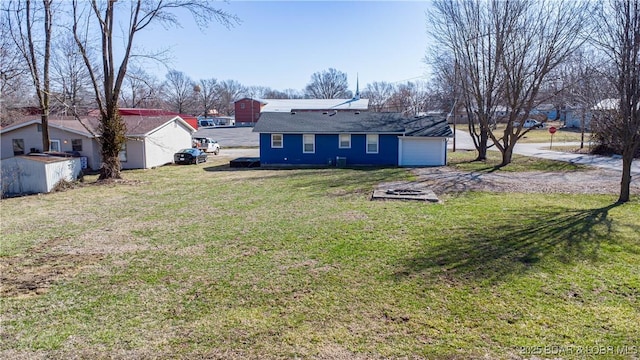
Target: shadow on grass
{"points": [[502, 248], [336, 181], [519, 165]]}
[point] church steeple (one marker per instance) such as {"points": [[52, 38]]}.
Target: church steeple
{"points": [[357, 96]]}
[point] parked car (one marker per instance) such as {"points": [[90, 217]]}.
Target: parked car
{"points": [[190, 156], [206, 144], [530, 123], [206, 123]]}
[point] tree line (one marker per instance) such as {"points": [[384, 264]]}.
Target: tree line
{"points": [[63, 57], [515, 55]]}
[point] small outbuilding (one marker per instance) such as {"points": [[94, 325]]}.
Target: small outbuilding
{"points": [[38, 173]]}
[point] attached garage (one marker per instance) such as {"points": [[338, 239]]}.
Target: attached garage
{"points": [[422, 151]]}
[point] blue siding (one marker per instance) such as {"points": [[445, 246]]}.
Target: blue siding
{"points": [[327, 150]]}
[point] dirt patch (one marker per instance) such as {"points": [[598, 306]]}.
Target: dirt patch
{"points": [[33, 273], [445, 180]]}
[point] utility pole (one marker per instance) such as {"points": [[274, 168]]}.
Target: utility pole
{"points": [[455, 102]]}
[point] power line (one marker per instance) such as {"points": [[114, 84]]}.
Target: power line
{"points": [[413, 78]]}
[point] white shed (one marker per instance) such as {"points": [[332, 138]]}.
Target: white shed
{"points": [[37, 174]]}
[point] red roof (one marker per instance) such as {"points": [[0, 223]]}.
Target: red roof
{"points": [[191, 120], [136, 125], [145, 112]]}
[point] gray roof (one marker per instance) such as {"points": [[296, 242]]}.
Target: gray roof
{"points": [[136, 125], [428, 125], [335, 122], [329, 122]]}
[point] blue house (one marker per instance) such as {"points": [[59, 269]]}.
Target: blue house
{"points": [[351, 138]]}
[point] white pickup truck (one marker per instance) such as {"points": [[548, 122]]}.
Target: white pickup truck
{"points": [[206, 144]]}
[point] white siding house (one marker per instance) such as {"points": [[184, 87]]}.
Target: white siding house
{"points": [[151, 140]]}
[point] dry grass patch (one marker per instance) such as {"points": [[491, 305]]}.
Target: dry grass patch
{"points": [[276, 266]]}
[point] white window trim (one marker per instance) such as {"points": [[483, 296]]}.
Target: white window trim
{"points": [[81, 143], [340, 141], [122, 155], [304, 143], [57, 144], [281, 141], [20, 143], [377, 142]]}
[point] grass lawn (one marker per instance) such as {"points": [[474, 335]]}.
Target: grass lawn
{"points": [[543, 135], [465, 160], [209, 262]]}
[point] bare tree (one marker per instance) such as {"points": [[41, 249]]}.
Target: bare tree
{"points": [[264, 92], [618, 22], [294, 94], [179, 91], [70, 78], [140, 14], [465, 30], [328, 84], [584, 85], [141, 90], [504, 50], [409, 98], [378, 93], [207, 93], [13, 75], [228, 92], [275, 94], [31, 30], [539, 39]]}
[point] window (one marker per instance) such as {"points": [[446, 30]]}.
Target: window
{"points": [[54, 145], [345, 141], [372, 143], [123, 153], [76, 144], [308, 143], [276, 141], [18, 147], [242, 105]]}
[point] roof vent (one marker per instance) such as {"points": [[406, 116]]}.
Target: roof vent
{"points": [[293, 113], [357, 112], [325, 112], [333, 113]]}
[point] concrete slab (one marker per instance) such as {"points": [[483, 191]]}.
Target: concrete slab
{"points": [[405, 193]]}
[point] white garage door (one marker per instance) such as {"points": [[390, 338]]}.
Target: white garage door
{"points": [[422, 151]]}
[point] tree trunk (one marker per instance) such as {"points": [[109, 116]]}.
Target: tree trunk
{"points": [[625, 183], [112, 139], [482, 145], [46, 143], [507, 155]]}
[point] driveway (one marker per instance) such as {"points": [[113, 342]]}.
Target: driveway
{"points": [[231, 136]]}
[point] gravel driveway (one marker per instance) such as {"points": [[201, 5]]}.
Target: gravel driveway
{"points": [[443, 180]]}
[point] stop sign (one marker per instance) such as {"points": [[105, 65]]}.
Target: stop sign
{"points": [[552, 130]]}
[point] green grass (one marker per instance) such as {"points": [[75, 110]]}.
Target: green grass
{"points": [[209, 262], [543, 135], [465, 160]]}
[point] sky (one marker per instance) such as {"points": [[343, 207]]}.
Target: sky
{"points": [[281, 44]]}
